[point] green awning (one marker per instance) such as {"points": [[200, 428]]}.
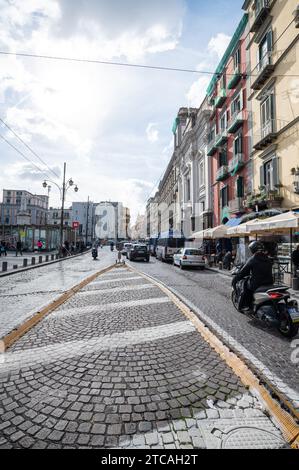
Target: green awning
{"points": [[175, 125]]}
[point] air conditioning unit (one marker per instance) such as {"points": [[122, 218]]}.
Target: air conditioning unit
{"points": [[296, 186]]}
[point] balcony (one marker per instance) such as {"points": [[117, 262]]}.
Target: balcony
{"points": [[235, 122], [235, 79], [236, 205], [268, 135], [221, 98], [267, 198], [262, 11], [222, 173], [211, 148], [263, 71], [221, 138], [236, 163]]}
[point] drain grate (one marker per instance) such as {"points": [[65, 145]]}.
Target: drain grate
{"points": [[251, 438]]}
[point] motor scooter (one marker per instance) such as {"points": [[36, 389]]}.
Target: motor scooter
{"points": [[271, 305], [94, 253]]}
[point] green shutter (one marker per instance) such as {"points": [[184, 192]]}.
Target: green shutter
{"points": [[262, 176], [275, 171], [240, 187]]}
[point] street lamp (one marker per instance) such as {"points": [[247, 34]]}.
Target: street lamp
{"points": [[63, 189]]}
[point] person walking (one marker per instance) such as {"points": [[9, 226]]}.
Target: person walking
{"points": [[19, 248], [39, 245], [295, 259]]}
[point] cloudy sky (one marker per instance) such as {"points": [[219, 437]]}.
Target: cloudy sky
{"points": [[112, 125]]}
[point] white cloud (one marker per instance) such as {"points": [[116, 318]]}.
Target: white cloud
{"points": [[197, 92], [218, 44], [152, 132], [216, 48]]}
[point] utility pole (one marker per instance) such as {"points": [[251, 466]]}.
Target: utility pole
{"points": [[63, 189], [86, 234], [62, 207]]}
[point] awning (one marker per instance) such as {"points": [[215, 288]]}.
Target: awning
{"points": [[280, 222], [241, 230], [233, 222]]}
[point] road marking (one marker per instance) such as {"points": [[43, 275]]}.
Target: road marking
{"points": [[113, 305], [117, 289], [106, 281], [285, 421], [69, 349]]}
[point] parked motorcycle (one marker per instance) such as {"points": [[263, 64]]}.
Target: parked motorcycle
{"points": [[94, 253], [271, 305]]}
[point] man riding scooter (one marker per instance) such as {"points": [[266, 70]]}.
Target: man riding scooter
{"points": [[259, 270]]}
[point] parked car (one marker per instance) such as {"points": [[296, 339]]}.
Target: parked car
{"points": [[187, 257], [138, 252], [126, 247]]}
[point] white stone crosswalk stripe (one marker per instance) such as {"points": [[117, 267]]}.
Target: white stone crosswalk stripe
{"points": [[99, 308], [70, 349], [104, 281], [112, 290]]}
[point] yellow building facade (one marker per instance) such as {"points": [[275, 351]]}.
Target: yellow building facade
{"points": [[273, 90]]}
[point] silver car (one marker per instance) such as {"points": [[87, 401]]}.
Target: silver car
{"points": [[187, 257]]}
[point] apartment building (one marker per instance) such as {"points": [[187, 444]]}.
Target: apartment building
{"points": [[54, 217], [21, 203], [274, 98], [229, 136]]}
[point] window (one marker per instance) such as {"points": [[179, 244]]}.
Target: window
{"points": [[269, 176], [222, 158], [222, 82], [188, 189], [264, 51], [201, 174], [8, 201], [224, 196], [238, 144], [267, 114], [237, 104], [222, 122], [18, 201], [239, 187], [237, 58]]}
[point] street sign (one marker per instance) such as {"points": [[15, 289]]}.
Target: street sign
{"points": [[76, 225]]}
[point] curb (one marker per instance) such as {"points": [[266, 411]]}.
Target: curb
{"points": [[39, 265], [10, 338]]}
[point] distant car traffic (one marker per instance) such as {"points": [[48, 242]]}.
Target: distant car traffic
{"points": [[125, 248], [138, 252], [187, 257]]}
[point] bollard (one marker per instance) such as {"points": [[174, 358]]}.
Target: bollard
{"points": [[25, 262], [15, 266], [40, 259], [47, 258], [33, 261], [4, 266], [57, 256], [52, 257]]}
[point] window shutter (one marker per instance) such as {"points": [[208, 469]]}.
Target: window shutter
{"points": [[241, 99], [240, 186], [269, 40], [262, 175], [275, 170]]}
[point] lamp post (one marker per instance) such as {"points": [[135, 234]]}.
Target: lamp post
{"points": [[63, 189]]}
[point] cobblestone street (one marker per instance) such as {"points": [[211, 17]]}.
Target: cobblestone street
{"points": [[209, 295], [118, 365]]}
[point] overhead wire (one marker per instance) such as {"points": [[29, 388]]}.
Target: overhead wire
{"points": [[119, 64], [29, 148]]}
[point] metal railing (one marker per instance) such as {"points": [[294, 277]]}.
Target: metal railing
{"points": [[237, 160]]}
